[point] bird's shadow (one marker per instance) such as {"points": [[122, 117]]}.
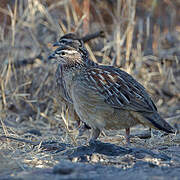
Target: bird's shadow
{"points": [[109, 149]]}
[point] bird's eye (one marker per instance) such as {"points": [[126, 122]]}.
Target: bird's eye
{"points": [[63, 53]]}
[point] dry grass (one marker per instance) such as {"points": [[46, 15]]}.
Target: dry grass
{"points": [[28, 97]]}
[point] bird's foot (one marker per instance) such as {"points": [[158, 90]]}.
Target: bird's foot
{"points": [[128, 144], [82, 129], [95, 133]]}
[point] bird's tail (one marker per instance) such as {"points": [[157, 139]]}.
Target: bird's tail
{"points": [[157, 122]]}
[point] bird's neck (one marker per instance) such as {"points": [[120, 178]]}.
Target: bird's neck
{"points": [[69, 71], [72, 67], [77, 66]]}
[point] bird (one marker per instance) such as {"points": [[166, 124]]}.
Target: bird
{"points": [[103, 96], [66, 101]]}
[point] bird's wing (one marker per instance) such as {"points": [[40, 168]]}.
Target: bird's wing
{"points": [[118, 89], [101, 90]]}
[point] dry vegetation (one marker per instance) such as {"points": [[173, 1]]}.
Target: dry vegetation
{"points": [[141, 37]]}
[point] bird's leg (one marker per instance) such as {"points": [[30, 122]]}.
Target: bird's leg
{"points": [[128, 136], [150, 132], [94, 134], [83, 127]]}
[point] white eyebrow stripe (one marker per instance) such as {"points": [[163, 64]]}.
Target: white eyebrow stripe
{"points": [[70, 51]]}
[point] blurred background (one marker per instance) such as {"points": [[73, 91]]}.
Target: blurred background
{"points": [[141, 37]]}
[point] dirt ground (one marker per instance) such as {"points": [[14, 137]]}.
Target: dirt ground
{"points": [[39, 136]]}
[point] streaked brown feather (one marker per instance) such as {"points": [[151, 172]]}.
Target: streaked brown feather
{"points": [[119, 92], [103, 96]]}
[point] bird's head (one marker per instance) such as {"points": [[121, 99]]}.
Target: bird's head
{"points": [[71, 51], [67, 55], [70, 39]]}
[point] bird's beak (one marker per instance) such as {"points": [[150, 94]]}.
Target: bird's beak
{"points": [[56, 44], [52, 56]]}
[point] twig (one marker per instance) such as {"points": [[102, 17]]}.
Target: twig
{"points": [[86, 11], [45, 145]]}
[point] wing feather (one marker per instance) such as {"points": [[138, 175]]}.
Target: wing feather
{"points": [[119, 89]]}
